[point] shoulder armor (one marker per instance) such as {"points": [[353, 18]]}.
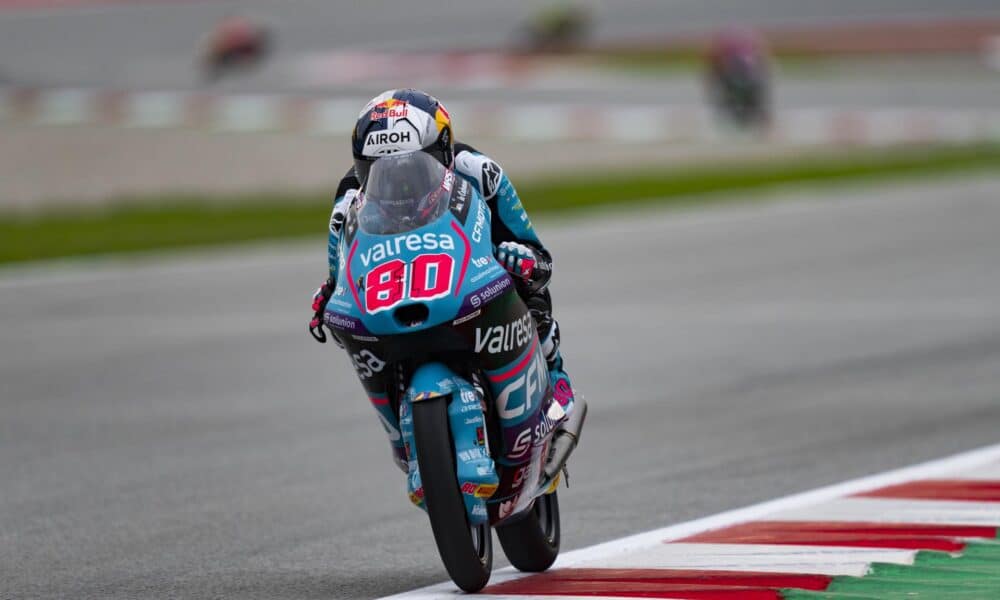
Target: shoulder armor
{"points": [[485, 171]]}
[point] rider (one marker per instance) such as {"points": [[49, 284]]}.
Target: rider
{"points": [[738, 76], [409, 120]]}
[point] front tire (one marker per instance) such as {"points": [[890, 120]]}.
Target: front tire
{"points": [[532, 542], [467, 551]]}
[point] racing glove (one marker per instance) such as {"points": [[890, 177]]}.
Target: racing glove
{"points": [[525, 263], [320, 298]]}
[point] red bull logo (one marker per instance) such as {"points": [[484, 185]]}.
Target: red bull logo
{"points": [[390, 109]]}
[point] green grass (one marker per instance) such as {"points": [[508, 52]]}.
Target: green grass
{"points": [[697, 183], [190, 221]]}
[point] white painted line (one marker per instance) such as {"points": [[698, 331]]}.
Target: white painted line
{"points": [[889, 510], [532, 122], [776, 558], [247, 113], [653, 541], [334, 117], [539, 122], [805, 126], [155, 110], [67, 107], [985, 473], [637, 124]]}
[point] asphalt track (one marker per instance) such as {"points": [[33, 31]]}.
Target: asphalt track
{"points": [[168, 429]]}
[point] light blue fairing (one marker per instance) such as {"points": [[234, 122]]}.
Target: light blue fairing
{"points": [[365, 261], [476, 473], [356, 310]]}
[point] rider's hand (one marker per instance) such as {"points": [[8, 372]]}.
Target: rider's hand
{"points": [[532, 267], [518, 259], [320, 298]]}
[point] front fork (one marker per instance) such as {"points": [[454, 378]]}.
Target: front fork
{"points": [[474, 468]]}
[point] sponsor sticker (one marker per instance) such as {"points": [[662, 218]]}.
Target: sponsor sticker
{"points": [[518, 395], [367, 364], [412, 242], [468, 317], [479, 490], [390, 109], [505, 338], [491, 178], [518, 478], [472, 454], [480, 224], [335, 320], [490, 291], [506, 508], [521, 445]]}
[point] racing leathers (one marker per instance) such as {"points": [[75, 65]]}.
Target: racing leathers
{"points": [[516, 247]]}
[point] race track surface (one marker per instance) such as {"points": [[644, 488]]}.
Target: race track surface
{"points": [[168, 428]]}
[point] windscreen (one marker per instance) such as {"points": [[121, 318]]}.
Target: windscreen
{"points": [[404, 192]]}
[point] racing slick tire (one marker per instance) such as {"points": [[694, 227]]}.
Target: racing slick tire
{"points": [[467, 551], [532, 542]]}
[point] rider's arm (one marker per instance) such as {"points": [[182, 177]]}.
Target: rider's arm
{"points": [[510, 222], [342, 200]]}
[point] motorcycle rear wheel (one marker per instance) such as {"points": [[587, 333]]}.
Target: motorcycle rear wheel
{"points": [[532, 542], [466, 551]]}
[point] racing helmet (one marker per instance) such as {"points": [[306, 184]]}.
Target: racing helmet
{"points": [[401, 121]]}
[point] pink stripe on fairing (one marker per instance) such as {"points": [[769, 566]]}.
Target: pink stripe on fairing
{"points": [[465, 259], [350, 279], [379, 400], [519, 366], [941, 489]]}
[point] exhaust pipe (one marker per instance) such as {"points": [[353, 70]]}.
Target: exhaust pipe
{"points": [[565, 441]]}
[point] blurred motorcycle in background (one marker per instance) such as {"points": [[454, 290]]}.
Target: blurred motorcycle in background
{"points": [[235, 43], [738, 78]]}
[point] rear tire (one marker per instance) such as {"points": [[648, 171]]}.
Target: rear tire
{"points": [[532, 542], [467, 552]]}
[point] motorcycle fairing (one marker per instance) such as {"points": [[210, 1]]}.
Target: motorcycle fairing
{"points": [[438, 266], [476, 473], [472, 321]]}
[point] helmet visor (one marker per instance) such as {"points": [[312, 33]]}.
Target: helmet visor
{"points": [[404, 192]]}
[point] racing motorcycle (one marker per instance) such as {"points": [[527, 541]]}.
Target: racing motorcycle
{"points": [[442, 340], [739, 80]]}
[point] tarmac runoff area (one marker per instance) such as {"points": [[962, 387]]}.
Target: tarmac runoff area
{"points": [[168, 428]]}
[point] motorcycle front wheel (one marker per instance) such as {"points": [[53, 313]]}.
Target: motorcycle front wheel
{"points": [[532, 542], [467, 551]]}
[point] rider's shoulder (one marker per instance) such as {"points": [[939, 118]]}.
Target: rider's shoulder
{"points": [[480, 169]]}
